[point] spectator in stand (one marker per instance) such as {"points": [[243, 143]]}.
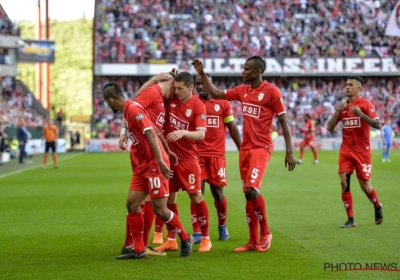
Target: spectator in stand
{"points": [[60, 117], [131, 31]]}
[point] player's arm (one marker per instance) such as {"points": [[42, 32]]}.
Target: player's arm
{"points": [[173, 158], [123, 136], [233, 131], [330, 125], [375, 123], [154, 80], [152, 139], [289, 159], [215, 93], [197, 135]]}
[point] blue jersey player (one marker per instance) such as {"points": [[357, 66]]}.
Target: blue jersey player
{"points": [[387, 134]]}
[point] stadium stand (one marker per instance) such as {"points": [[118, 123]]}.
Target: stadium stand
{"points": [[129, 31], [7, 27]]}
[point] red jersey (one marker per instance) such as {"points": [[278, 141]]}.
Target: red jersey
{"points": [[189, 116], [214, 141], [143, 160], [307, 129], [259, 106], [153, 102], [356, 132]]}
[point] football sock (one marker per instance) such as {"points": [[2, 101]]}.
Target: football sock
{"points": [[195, 222], [202, 217], [174, 224], [128, 235], [260, 210], [315, 154], [348, 203], [222, 211], [136, 225], [252, 223], [373, 197], [301, 154], [158, 225], [148, 217], [174, 208]]}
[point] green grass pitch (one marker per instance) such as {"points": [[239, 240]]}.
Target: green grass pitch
{"points": [[69, 223]]}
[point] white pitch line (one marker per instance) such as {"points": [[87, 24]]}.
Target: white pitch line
{"points": [[36, 166]]}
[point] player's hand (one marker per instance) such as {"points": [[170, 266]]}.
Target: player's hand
{"points": [[175, 135], [341, 106], [162, 77], [173, 158], [198, 65], [168, 173], [356, 111], [290, 161], [123, 141]]}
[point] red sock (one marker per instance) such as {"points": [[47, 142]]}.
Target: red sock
{"points": [[261, 213], [195, 222], [128, 235], [202, 217], [373, 197], [301, 154], [348, 204], [315, 154], [252, 223], [174, 208], [158, 225], [136, 225], [222, 211], [175, 225], [148, 217]]}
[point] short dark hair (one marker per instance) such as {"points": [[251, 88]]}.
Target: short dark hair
{"points": [[112, 90], [258, 61], [184, 77], [357, 78], [308, 115]]}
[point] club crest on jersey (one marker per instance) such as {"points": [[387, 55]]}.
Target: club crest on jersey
{"points": [[260, 96], [188, 112], [139, 117], [202, 117], [216, 107]]}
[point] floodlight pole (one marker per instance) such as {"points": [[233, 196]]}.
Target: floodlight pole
{"points": [[47, 65], [39, 65]]}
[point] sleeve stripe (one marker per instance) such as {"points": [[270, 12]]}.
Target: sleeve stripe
{"points": [[147, 128], [200, 127], [283, 112]]}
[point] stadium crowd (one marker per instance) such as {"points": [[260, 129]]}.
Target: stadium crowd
{"points": [[316, 96], [7, 27], [16, 106], [131, 31]]}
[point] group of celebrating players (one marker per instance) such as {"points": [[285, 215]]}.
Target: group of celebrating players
{"points": [[178, 143]]}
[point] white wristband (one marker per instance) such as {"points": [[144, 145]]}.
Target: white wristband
{"points": [[123, 131]]}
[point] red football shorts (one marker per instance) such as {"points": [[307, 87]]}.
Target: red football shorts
{"points": [[213, 170], [187, 177], [155, 184], [360, 161], [308, 142], [253, 164]]}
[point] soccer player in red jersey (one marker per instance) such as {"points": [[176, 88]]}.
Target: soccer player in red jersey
{"points": [[308, 130], [261, 101], [212, 156], [357, 116], [151, 97], [150, 167], [185, 125]]}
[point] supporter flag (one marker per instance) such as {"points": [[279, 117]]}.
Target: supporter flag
{"points": [[393, 24], [371, 13]]}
